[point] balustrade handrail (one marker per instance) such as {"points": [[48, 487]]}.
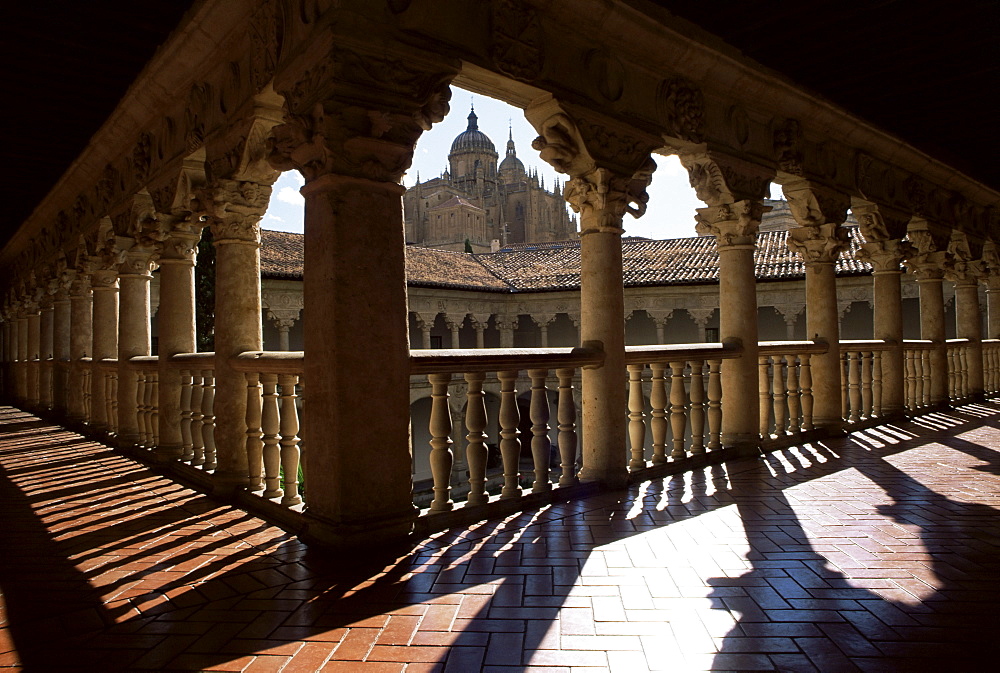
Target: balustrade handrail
{"points": [[792, 347], [458, 360], [958, 342], [919, 344], [638, 355], [269, 362], [991, 341], [107, 364], [195, 360], [866, 345], [144, 362]]}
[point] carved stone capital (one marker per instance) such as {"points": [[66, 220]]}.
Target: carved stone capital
{"points": [[359, 114], [701, 316], [885, 255], [731, 224], [543, 319], [609, 166], [928, 265], [879, 223], [80, 287], [818, 244], [234, 210], [139, 261], [790, 312], [283, 318], [719, 179], [506, 323], [813, 204], [104, 279]]}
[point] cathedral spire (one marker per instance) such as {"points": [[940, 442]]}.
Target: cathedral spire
{"points": [[510, 141], [473, 120]]}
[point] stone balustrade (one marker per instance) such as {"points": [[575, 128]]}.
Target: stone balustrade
{"points": [[861, 379], [684, 392], [991, 366], [959, 356], [107, 370], [197, 408], [785, 385], [145, 368], [917, 355]]}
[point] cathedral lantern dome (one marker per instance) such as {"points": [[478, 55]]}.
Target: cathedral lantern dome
{"points": [[511, 167], [472, 139]]}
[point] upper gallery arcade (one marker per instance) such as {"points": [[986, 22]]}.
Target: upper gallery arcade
{"points": [[341, 90]]}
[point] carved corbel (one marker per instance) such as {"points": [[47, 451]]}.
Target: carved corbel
{"points": [[609, 166], [819, 212], [358, 114], [883, 229], [961, 267]]}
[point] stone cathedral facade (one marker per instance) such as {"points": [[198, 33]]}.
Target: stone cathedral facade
{"points": [[481, 205]]}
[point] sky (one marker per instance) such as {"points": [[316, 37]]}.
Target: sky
{"points": [[672, 201]]}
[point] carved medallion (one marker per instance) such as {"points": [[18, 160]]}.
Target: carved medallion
{"points": [[517, 39], [606, 73], [681, 108]]}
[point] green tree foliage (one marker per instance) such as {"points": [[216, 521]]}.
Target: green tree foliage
{"points": [[468, 245]]}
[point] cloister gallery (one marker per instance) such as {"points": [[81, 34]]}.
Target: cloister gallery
{"points": [[341, 91]]}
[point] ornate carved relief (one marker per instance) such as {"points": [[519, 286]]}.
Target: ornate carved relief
{"points": [[265, 33], [818, 243], [719, 179], [681, 107], [731, 224], [814, 205], [234, 209], [606, 74], [518, 39], [788, 147]]}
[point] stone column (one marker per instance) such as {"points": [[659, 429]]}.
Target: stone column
{"points": [[543, 320], [46, 340], [660, 319], [604, 184], [134, 274], [425, 327], [819, 240], [701, 316], [237, 208], [283, 320], [965, 273], [735, 206], [991, 267], [104, 282], [21, 369], [34, 350], [927, 263], [454, 324], [61, 333], [81, 344], [480, 323], [352, 137], [506, 325], [885, 254], [176, 322]]}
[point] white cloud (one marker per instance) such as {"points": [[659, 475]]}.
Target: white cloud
{"points": [[290, 195], [298, 178], [269, 217]]}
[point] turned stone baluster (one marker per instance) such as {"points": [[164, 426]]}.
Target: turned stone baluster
{"points": [[966, 374], [270, 436], [187, 447], [289, 428], [540, 443], [793, 394], [925, 377], [254, 445], [636, 425], [208, 420], [140, 408], [854, 385], [510, 445], [475, 451], [567, 427], [115, 421], [911, 380], [866, 384], [441, 458], [764, 392], [780, 409], [877, 383], [714, 405], [805, 381], [154, 408], [950, 355], [697, 407], [197, 417], [678, 397], [658, 405], [845, 387]]}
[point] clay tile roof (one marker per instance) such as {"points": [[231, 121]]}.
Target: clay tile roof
{"points": [[281, 254], [427, 267], [556, 266], [455, 201]]}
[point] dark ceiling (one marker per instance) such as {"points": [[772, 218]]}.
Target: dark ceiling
{"points": [[926, 70]]}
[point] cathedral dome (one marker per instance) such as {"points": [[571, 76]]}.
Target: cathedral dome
{"points": [[472, 139], [511, 166]]}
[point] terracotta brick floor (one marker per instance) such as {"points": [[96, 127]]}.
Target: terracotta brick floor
{"points": [[876, 552]]}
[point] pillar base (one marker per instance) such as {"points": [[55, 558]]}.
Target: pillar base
{"points": [[166, 454], [373, 533], [741, 445], [617, 478], [226, 484]]}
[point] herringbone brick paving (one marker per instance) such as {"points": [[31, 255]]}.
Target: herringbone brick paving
{"points": [[873, 552]]}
